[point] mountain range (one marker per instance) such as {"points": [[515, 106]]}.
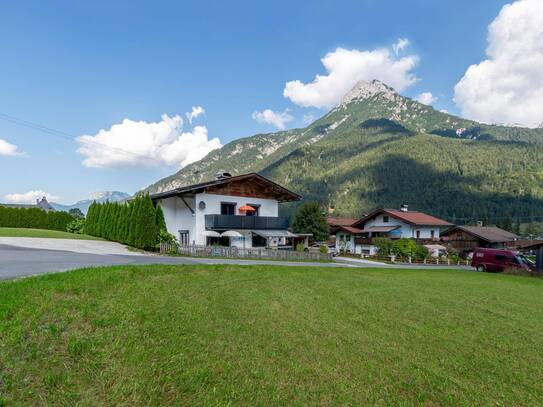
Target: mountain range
{"points": [[380, 149], [83, 205]]}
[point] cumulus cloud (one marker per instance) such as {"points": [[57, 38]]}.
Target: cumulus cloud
{"points": [[507, 87], [345, 68], [194, 113], [400, 45], [8, 149], [277, 119], [29, 197], [131, 144], [426, 98]]}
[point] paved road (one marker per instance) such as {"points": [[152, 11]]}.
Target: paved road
{"points": [[23, 261], [21, 257]]}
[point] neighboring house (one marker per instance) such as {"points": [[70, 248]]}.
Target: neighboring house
{"points": [[388, 223], [465, 238], [240, 211], [334, 222], [40, 204]]}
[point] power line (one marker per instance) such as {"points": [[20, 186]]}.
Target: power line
{"points": [[62, 134]]}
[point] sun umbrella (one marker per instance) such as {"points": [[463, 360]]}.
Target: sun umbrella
{"points": [[247, 208], [231, 233], [212, 233]]}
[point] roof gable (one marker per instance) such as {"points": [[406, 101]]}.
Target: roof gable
{"points": [[490, 234], [250, 185], [410, 217]]}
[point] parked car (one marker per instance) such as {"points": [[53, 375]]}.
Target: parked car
{"points": [[315, 248], [497, 260]]}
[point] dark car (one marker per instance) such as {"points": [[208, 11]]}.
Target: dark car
{"points": [[497, 260]]}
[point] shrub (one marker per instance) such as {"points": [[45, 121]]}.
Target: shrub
{"points": [[300, 247], [409, 248], [76, 226], [167, 238], [323, 249], [384, 245], [34, 218]]}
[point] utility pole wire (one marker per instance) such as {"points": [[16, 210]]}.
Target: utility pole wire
{"points": [[65, 135]]}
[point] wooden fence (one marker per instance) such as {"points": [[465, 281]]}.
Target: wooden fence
{"points": [[241, 253], [409, 260]]}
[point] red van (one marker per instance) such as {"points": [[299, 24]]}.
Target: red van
{"points": [[497, 260]]}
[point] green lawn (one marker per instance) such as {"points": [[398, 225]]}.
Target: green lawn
{"points": [[233, 335], [55, 234]]}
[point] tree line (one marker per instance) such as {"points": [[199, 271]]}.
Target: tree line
{"points": [[136, 223], [34, 218]]}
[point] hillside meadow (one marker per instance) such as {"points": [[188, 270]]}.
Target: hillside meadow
{"points": [[270, 335]]}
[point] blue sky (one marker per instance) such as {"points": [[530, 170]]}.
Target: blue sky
{"points": [[80, 67]]}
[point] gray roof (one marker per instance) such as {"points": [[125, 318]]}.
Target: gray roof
{"points": [[491, 234]]}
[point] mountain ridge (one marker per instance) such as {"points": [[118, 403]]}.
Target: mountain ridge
{"points": [[83, 205], [374, 123]]}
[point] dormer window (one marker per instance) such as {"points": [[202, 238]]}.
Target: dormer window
{"points": [[385, 219]]}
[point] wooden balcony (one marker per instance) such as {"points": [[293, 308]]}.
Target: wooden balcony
{"points": [[236, 222]]}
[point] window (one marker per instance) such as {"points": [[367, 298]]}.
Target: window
{"points": [[500, 257], [385, 219], [418, 234], [253, 213], [228, 208], [184, 238], [432, 234]]}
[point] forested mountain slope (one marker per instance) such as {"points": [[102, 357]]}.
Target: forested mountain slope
{"points": [[378, 148]]}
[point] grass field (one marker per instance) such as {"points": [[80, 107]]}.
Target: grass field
{"points": [[55, 234], [262, 335]]}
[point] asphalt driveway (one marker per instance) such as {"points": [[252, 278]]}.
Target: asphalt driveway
{"points": [[20, 257]]}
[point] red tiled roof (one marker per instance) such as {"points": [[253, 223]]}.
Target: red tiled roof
{"points": [[348, 229], [341, 221], [411, 217]]}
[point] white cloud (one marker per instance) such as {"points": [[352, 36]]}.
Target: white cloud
{"points": [[400, 45], [507, 87], [277, 119], [426, 98], [194, 113], [345, 68], [9, 149], [29, 197], [131, 144]]}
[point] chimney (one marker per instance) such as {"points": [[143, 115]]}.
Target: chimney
{"points": [[222, 174], [404, 207], [479, 223]]}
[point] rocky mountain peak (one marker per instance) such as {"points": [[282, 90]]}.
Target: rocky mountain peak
{"points": [[366, 89]]}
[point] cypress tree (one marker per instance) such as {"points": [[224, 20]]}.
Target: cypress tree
{"points": [[134, 214], [146, 229], [160, 222]]}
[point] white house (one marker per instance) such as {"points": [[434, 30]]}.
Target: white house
{"points": [[240, 211], [390, 223]]}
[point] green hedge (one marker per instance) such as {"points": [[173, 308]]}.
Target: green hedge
{"points": [[136, 223], [33, 218]]}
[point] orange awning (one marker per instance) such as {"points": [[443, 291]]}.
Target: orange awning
{"points": [[247, 208]]}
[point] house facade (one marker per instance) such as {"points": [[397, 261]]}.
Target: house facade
{"points": [[359, 237], [465, 238], [240, 211]]}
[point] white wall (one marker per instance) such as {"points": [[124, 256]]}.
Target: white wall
{"points": [[407, 230], [179, 217]]}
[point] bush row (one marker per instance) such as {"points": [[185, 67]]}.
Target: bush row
{"points": [[136, 223], [33, 218]]}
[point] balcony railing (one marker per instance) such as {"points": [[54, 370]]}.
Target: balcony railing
{"points": [[245, 222]]}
